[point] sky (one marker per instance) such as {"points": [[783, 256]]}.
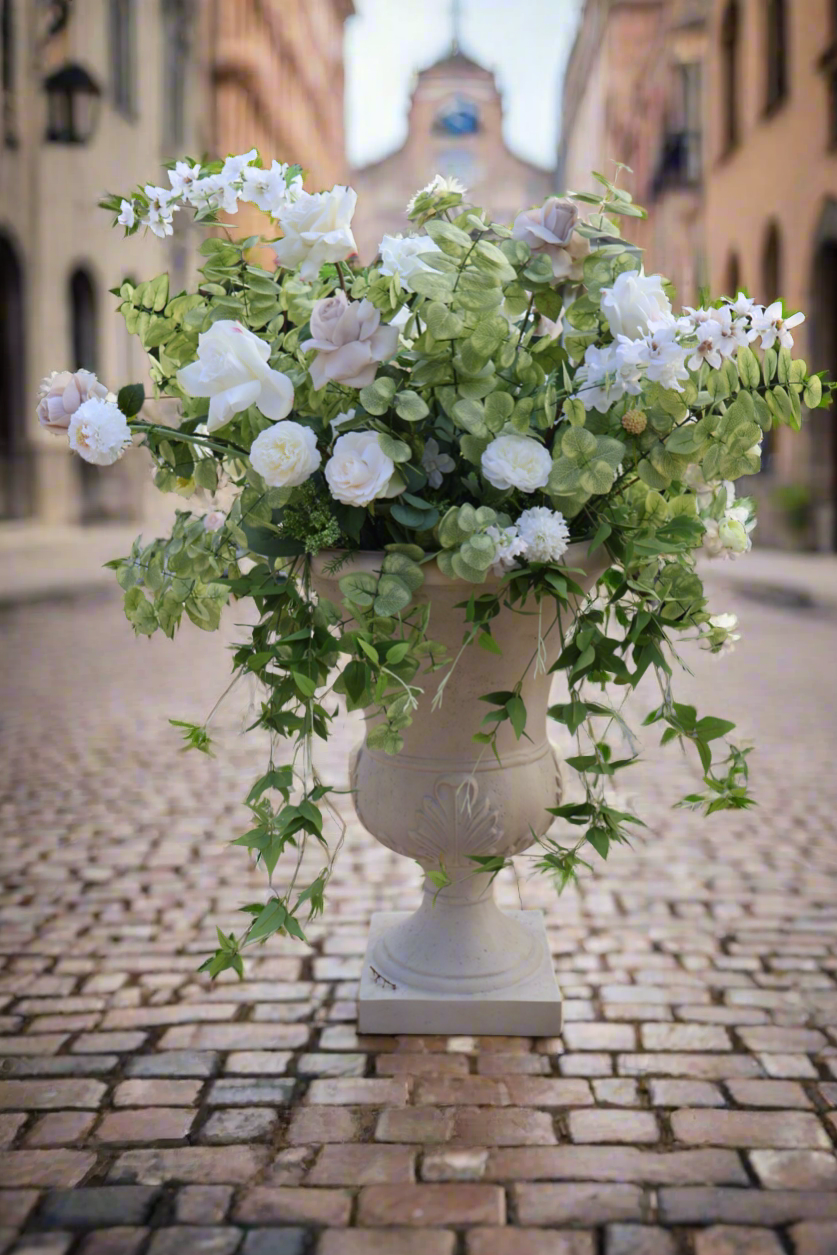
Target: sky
{"points": [[526, 43]]}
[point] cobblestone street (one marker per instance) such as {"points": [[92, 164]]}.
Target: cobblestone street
{"points": [[689, 1108]]}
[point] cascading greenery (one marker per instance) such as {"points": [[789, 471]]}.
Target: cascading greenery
{"points": [[640, 479]]}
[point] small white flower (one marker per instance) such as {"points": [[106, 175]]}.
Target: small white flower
{"points": [[635, 304], [213, 191], [744, 305], [183, 177], [158, 216], [510, 546], [515, 461], [269, 189], [438, 186], [316, 228], [720, 635], [545, 534], [233, 167], [708, 346], [666, 359], [127, 217], [771, 326], [359, 472], [435, 463], [402, 257], [99, 432], [734, 334], [232, 370], [214, 521], [285, 455], [599, 383], [727, 622]]}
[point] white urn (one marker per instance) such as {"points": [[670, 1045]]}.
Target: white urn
{"points": [[459, 964]]}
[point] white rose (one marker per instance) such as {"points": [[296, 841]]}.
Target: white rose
{"points": [[516, 462], [62, 392], [285, 454], [99, 432], [316, 229], [359, 471], [635, 303], [402, 257], [232, 371]]}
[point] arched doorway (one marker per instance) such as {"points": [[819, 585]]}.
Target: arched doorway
{"points": [[823, 341], [15, 463], [84, 352]]}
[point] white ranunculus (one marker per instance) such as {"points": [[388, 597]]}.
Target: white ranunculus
{"points": [[285, 454], [99, 432], [62, 392], [403, 256], [515, 461], [269, 189], [232, 371], [359, 471], [635, 303], [544, 533], [317, 228]]}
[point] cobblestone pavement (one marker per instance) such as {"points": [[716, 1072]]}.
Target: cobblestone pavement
{"points": [[689, 1108]]}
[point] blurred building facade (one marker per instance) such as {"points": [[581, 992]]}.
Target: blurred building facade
{"points": [[726, 111], [96, 95], [455, 128]]}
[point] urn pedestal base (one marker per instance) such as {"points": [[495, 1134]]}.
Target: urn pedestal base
{"points": [[530, 1007]]}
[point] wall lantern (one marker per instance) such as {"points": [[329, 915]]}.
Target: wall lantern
{"points": [[73, 101]]}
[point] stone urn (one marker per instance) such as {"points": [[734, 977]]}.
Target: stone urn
{"points": [[459, 964]]}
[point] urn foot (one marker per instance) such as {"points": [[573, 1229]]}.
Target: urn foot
{"points": [[526, 1002]]}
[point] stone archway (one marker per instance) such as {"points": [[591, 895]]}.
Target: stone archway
{"points": [[823, 341], [15, 460]]}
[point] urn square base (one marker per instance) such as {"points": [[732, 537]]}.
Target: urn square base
{"points": [[531, 1008]]}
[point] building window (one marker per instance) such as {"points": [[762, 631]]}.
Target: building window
{"points": [[122, 55], [7, 71], [83, 329], [175, 72], [733, 282], [776, 34], [730, 39], [459, 116]]}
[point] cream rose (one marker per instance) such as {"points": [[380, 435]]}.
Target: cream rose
{"points": [[635, 303], [285, 454], [516, 462], [549, 229], [316, 228], [232, 371], [62, 392], [359, 471], [99, 432], [350, 341]]}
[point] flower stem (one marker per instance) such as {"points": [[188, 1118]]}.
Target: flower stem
{"points": [[220, 446]]}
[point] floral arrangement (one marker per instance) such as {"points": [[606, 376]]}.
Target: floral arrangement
{"points": [[480, 397]]}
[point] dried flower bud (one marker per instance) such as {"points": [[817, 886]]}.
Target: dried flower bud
{"points": [[634, 422]]}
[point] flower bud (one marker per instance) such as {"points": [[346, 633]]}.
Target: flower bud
{"points": [[634, 422]]}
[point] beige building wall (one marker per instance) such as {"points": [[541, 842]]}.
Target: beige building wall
{"points": [[455, 129]]}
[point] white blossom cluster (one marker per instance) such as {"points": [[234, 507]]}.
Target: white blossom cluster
{"points": [[727, 524], [651, 344], [539, 535]]}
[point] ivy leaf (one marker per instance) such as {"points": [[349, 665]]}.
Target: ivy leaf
{"points": [[131, 399], [516, 709]]}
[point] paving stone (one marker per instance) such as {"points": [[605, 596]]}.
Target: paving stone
{"points": [[738, 1240], [104, 1043], [698, 1205], [239, 1124], [453, 1165], [507, 1065], [451, 1091], [813, 1238], [325, 1124], [11, 1123], [156, 1093], [691, 1093], [202, 1037], [505, 1126], [608, 1125], [15, 1206], [174, 1063], [463, 1203], [151, 1124], [795, 1169], [619, 1092], [629, 1239], [577, 1203], [287, 1205], [352, 1093], [685, 1037], [43, 1244], [119, 1240], [201, 1165], [326, 1063], [768, 1094], [284, 1241], [767, 1129], [518, 1241], [363, 1165], [203, 1204], [385, 1242], [599, 1036], [202, 1240], [61, 1128], [44, 1167], [616, 1163], [59, 1065], [35, 1095], [718, 1067], [96, 1207]]}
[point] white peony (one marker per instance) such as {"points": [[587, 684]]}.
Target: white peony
{"points": [[269, 189], [544, 533], [402, 257], [515, 461], [99, 432], [316, 229], [61, 394], [635, 304], [359, 471], [509, 547], [232, 371], [285, 454]]}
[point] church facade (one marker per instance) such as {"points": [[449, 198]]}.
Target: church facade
{"points": [[455, 129]]}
